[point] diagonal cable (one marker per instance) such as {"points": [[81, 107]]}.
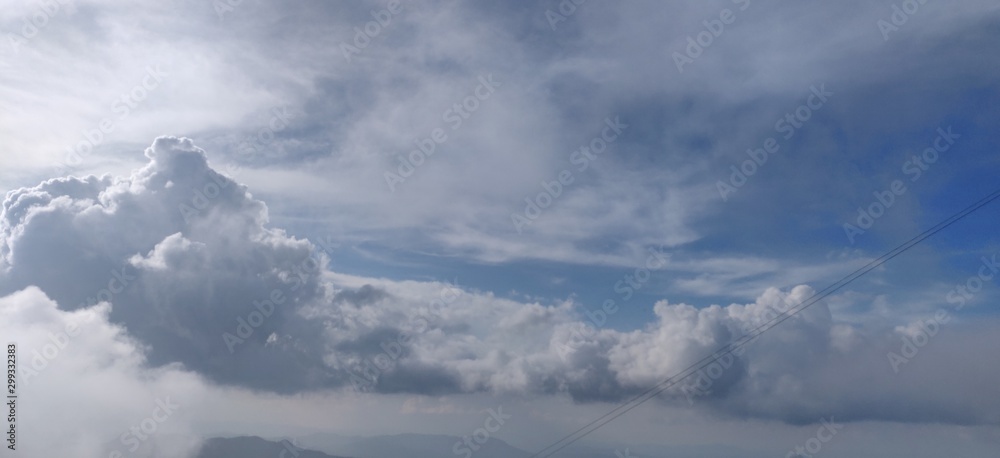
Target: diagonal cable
{"points": [[756, 332]]}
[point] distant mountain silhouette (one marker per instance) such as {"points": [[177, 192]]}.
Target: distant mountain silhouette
{"points": [[438, 446], [254, 447], [411, 446]]}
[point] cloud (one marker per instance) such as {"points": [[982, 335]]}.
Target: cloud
{"points": [[655, 186], [85, 389], [192, 271], [183, 253]]}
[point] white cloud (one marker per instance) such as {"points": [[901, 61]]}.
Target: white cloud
{"points": [[84, 385], [212, 287]]}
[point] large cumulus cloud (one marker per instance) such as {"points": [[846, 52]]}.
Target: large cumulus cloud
{"points": [[191, 271], [182, 253]]}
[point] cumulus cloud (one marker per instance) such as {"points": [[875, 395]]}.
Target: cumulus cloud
{"points": [[85, 389], [182, 252], [176, 263]]}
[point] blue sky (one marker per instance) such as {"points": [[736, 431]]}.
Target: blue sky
{"points": [[302, 110]]}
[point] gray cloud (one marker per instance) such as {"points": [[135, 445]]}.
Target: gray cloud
{"points": [[179, 280]]}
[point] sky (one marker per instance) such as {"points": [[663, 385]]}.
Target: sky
{"points": [[390, 217]]}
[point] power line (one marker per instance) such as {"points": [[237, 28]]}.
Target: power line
{"points": [[756, 332]]}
